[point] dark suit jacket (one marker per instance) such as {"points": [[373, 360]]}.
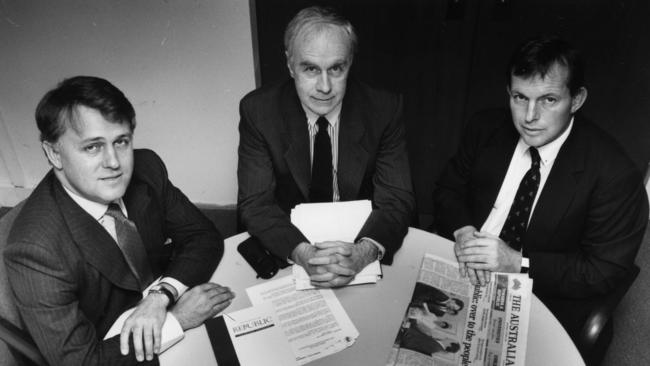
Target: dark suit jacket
{"points": [[274, 164], [588, 222], [69, 277]]}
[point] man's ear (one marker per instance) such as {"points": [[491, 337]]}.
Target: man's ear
{"points": [[52, 153], [578, 99], [286, 54]]}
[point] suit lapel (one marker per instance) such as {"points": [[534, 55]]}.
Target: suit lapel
{"points": [[559, 190], [297, 153], [95, 243], [352, 155]]}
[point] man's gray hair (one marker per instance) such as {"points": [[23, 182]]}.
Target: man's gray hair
{"points": [[315, 18]]}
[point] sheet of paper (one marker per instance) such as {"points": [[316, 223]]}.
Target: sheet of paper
{"points": [[256, 336], [313, 321], [333, 221]]}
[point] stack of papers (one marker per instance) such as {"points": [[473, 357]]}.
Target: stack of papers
{"points": [[313, 321], [331, 221]]}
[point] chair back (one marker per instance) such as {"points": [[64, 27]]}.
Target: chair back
{"points": [[21, 349], [8, 309]]}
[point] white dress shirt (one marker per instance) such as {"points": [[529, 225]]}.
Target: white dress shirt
{"points": [[333, 131], [519, 165]]}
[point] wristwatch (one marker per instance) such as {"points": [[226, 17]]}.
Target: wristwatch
{"points": [[525, 265], [161, 289]]}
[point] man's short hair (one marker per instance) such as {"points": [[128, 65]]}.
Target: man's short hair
{"points": [[538, 55], [315, 18], [58, 107]]}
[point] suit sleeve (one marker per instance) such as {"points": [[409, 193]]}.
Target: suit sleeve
{"points": [[258, 209], [198, 245], [46, 294], [452, 192], [393, 200], [617, 215]]}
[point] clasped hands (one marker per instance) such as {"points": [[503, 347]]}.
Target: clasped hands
{"points": [[194, 307], [334, 263], [480, 253]]}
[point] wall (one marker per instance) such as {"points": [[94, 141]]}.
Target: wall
{"points": [[183, 64]]}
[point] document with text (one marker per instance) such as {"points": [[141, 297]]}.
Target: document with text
{"points": [[333, 221], [249, 337], [451, 322], [314, 322]]}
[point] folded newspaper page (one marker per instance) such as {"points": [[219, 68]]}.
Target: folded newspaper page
{"points": [[313, 321], [451, 322], [330, 221]]}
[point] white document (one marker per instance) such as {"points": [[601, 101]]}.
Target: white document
{"points": [[258, 338], [313, 321], [333, 221]]}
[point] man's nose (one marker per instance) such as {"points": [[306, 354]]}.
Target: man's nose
{"points": [[532, 111], [111, 159], [323, 84]]}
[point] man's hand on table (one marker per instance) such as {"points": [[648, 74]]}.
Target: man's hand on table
{"points": [[488, 253], [476, 276], [334, 263], [145, 324], [200, 303]]}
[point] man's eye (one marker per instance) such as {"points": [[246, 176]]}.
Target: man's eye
{"points": [[336, 70], [519, 98], [122, 142], [550, 100], [92, 148], [311, 69]]}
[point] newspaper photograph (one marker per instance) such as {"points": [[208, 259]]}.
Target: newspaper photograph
{"points": [[451, 322]]}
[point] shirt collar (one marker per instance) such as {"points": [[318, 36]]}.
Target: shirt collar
{"points": [[94, 209], [332, 116], [548, 152]]}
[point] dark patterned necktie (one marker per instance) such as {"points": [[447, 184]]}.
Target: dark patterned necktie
{"points": [[321, 169], [130, 243], [517, 221]]}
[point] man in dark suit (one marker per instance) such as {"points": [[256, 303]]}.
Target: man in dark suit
{"points": [[543, 190], [93, 237], [353, 134]]}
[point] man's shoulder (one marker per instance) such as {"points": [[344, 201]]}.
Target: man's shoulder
{"points": [[148, 166], [40, 216], [268, 94], [600, 148]]}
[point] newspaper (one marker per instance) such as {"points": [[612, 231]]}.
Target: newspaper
{"points": [[451, 322]]}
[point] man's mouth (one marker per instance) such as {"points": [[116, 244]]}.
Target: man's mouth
{"points": [[112, 178], [322, 100]]}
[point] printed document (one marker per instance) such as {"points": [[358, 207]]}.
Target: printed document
{"points": [[313, 321]]}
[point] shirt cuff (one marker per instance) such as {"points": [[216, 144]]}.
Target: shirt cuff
{"points": [[380, 247], [176, 284]]}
